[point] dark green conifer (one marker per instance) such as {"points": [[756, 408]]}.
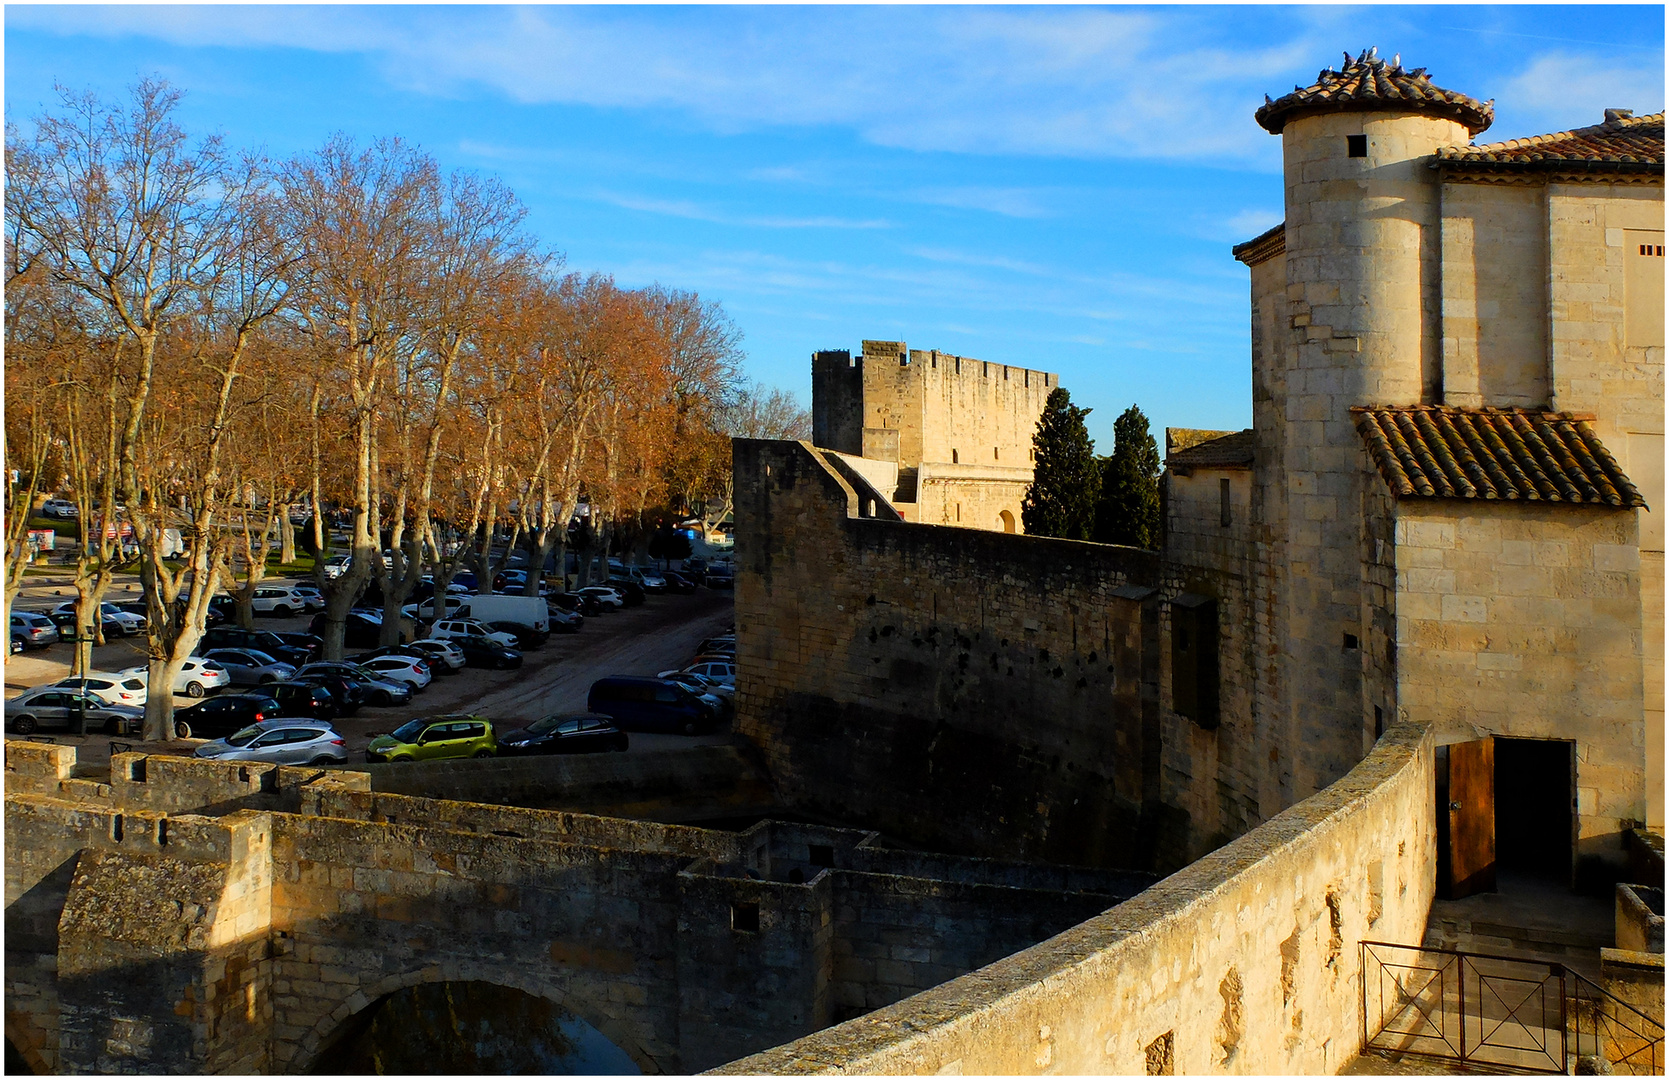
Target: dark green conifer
{"points": [[1128, 510], [1061, 501]]}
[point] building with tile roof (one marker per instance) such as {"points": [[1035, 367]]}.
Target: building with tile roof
{"points": [[1449, 504]]}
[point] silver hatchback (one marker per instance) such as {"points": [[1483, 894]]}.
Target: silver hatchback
{"points": [[281, 742]]}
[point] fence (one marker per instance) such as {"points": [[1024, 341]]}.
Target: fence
{"points": [[1498, 1012]]}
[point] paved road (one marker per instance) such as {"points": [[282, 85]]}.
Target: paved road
{"points": [[661, 633]]}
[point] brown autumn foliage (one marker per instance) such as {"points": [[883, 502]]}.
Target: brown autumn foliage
{"points": [[201, 343]]}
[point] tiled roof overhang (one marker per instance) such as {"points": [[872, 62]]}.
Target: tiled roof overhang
{"points": [[1438, 451], [1369, 84], [1232, 450], [1623, 145], [1263, 247]]}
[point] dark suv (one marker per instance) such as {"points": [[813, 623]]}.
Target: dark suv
{"points": [[236, 637], [309, 699], [639, 704]]}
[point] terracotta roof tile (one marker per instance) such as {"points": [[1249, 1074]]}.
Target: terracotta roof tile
{"points": [[1444, 452], [1623, 143], [1223, 449], [1369, 84]]}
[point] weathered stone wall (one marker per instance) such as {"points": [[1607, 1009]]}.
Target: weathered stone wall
{"points": [[987, 688], [1495, 283], [957, 432], [680, 785], [1215, 776], [1522, 619], [140, 940], [1246, 961], [972, 496]]}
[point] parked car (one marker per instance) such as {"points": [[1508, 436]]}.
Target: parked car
{"points": [[197, 676], [236, 637], [62, 509], [361, 630], [527, 637], [221, 716], [309, 698], [65, 621], [337, 565], [565, 622], [250, 667], [17, 644], [377, 689], [443, 657], [281, 742], [587, 606], [678, 583], [426, 610], [348, 694], [650, 579], [108, 687], [724, 644], [34, 629], [53, 707], [699, 684], [630, 591], [720, 576], [222, 610], [297, 639], [456, 628], [282, 601], [606, 598], [565, 733], [401, 667], [716, 670], [640, 704], [485, 652], [129, 622], [433, 737]]}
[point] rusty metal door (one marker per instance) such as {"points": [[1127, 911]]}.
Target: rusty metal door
{"points": [[1471, 813]]}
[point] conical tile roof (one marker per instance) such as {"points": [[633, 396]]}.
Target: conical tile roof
{"points": [[1370, 84]]}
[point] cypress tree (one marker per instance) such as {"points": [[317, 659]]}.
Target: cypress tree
{"points": [[1066, 480], [1128, 511]]}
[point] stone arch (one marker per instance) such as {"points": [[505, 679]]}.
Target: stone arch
{"points": [[1007, 520], [25, 1039], [366, 996]]}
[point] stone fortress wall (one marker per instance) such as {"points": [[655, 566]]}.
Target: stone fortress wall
{"points": [[918, 657], [202, 917], [1246, 962], [958, 429]]}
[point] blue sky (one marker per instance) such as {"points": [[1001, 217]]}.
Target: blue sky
{"points": [[1054, 187]]}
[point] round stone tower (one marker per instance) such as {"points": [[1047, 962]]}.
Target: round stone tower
{"points": [[1361, 222], [1361, 326]]}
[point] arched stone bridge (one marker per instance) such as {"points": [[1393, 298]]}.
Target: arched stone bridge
{"points": [[194, 916]]}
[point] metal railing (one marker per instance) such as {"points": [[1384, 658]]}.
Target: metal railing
{"points": [[1500, 1012]]}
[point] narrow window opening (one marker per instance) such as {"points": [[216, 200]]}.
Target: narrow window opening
{"points": [[954, 458], [162, 832], [1378, 722], [1358, 145], [116, 828], [822, 855], [995, 454], [744, 917], [1350, 641], [958, 511], [1223, 501]]}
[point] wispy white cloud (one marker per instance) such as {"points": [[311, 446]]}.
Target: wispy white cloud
{"points": [[1562, 90], [1015, 202], [1069, 82], [684, 208]]}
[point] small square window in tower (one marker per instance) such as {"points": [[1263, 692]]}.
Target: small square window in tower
{"points": [[1194, 659], [1356, 145]]}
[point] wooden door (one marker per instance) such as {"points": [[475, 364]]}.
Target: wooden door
{"points": [[1471, 812]]}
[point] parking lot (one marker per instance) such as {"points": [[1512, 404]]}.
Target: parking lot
{"points": [[661, 633]]}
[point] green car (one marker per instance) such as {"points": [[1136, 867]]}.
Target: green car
{"points": [[459, 736]]}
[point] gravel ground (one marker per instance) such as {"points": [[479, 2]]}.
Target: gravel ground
{"points": [[660, 633]]}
